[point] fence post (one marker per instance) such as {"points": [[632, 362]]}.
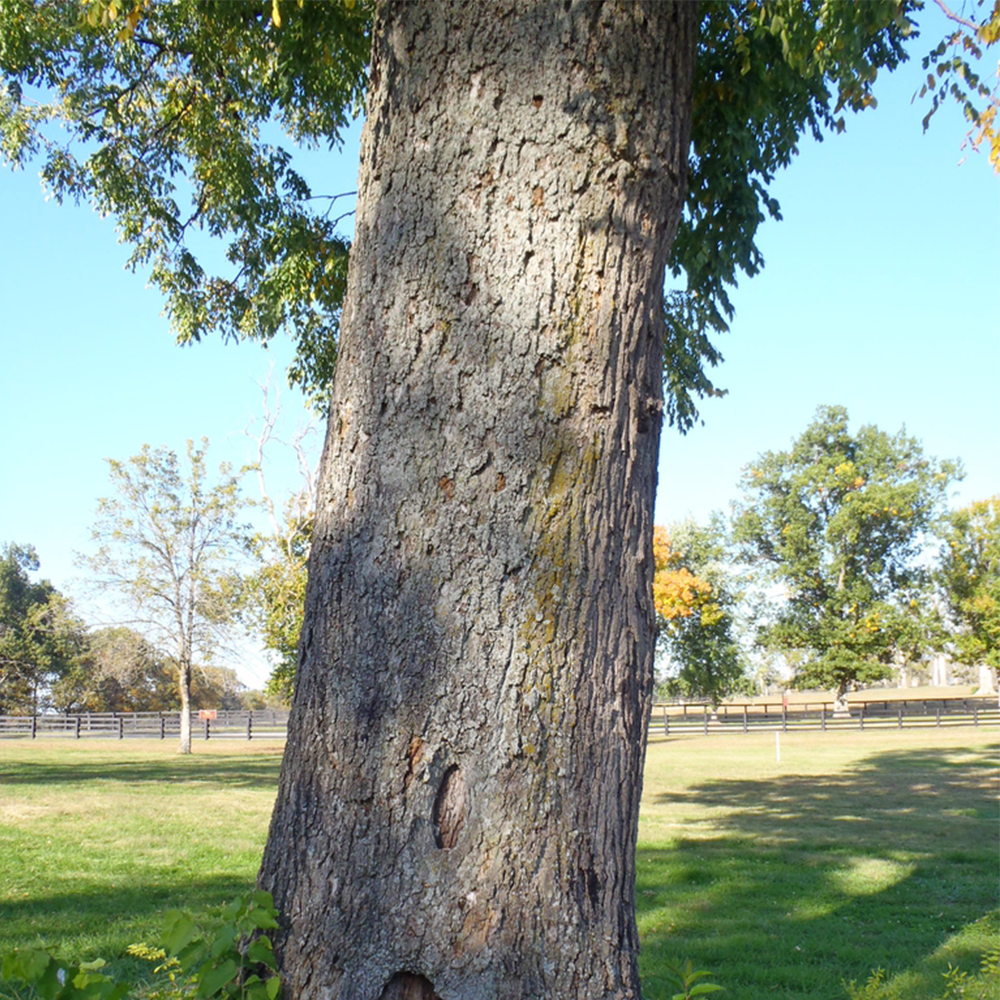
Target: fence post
{"points": [[250, 726], [78, 721], [746, 721], [121, 727], [706, 720], [822, 717], [784, 719], [34, 726], [899, 717], [861, 717], [207, 724], [975, 715], [939, 715], [666, 722]]}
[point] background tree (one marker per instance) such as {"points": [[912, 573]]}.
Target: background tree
{"points": [[969, 577], [118, 670], [272, 597], [696, 605], [838, 523], [168, 541], [39, 635]]}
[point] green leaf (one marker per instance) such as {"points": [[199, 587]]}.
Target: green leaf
{"points": [[260, 951], [192, 955], [263, 898], [48, 984], [178, 931], [223, 940], [212, 981], [263, 919]]}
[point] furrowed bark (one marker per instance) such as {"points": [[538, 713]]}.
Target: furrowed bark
{"points": [[458, 803]]}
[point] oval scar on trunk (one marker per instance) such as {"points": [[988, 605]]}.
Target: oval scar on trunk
{"points": [[449, 808]]}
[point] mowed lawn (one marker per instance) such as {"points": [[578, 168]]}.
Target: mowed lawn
{"points": [[875, 849]]}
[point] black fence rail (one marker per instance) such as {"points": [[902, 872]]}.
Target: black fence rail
{"points": [[269, 723], [673, 720], [669, 720]]}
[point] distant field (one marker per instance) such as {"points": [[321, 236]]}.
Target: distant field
{"points": [[874, 849], [873, 694]]}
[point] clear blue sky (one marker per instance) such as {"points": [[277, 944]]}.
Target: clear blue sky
{"points": [[880, 293]]}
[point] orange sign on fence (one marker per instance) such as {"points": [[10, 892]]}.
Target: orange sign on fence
{"points": [[207, 713]]}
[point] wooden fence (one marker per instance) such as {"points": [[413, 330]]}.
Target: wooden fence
{"points": [[669, 720], [270, 723], [675, 720]]}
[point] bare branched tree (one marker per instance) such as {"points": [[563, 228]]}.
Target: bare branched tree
{"points": [[168, 541]]}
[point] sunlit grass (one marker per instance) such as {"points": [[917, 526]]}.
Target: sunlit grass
{"points": [[99, 839], [849, 855], [852, 853]]}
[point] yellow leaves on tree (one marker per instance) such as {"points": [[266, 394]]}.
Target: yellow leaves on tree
{"points": [[677, 592]]}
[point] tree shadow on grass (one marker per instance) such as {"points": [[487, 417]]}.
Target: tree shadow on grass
{"points": [[250, 770], [801, 882], [61, 916]]}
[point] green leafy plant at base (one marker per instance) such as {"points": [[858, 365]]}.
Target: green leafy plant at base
{"points": [[686, 977], [43, 976], [235, 962], [958, 984]]}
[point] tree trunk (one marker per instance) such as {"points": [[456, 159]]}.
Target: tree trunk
{"points": [[184, 686], [458, 803]]}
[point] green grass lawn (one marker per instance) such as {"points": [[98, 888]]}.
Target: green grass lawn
{"points": [[855, 852], [98, 839], [860, 851]]}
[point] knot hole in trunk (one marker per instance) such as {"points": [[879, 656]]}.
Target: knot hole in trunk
{"points": [[407, 986], [449, 808]]}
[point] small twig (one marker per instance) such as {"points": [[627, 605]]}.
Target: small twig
{"points": [[346, 215], [331, 197], [952, 16]]}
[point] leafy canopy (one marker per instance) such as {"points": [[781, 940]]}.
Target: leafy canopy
{"points": [[118, 670], [171, 115], [838, 524], [969, 576], [696, 612], [273, 597], [39, 635], [182, 117]]}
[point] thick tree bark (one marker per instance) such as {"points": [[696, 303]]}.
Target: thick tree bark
{"points": [[458, 803]]}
